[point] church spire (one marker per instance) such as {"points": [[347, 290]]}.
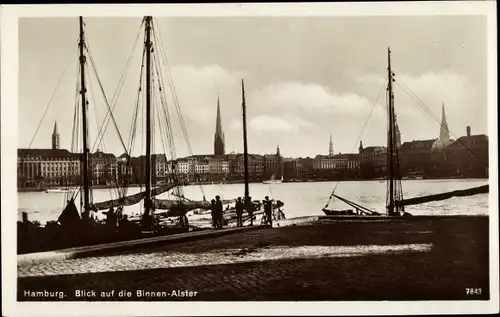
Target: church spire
{"points": [[330, 148], [219, 144], [55, 137], [444, 133]]}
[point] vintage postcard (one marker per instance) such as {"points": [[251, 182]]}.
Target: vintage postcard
{"points": [[322, 158]]}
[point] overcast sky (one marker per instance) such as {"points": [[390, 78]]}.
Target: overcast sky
{"points": [[305, 78]]}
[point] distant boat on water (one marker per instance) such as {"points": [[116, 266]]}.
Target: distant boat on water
{"points": [[56, 190], [273, 180]]}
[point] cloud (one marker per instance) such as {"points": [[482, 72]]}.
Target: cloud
{"points": [[296, 96], [276, 123], [197, 89], [371, 79], [270, 123], [235, 124]]}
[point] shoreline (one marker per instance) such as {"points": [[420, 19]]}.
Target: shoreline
{"points": [[22, 190], [391, 260]]}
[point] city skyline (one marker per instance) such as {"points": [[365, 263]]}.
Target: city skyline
{"points": [[296, 105]]}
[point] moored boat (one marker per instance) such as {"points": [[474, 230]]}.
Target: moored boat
{"points": [[56, 190], [395, 205]]}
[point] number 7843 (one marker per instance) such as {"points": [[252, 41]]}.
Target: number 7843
{"points": [[473, 291]]}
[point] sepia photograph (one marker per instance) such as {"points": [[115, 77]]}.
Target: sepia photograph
{"points": [[225, 153]]}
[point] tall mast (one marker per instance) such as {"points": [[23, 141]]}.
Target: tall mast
{"points": [[245, 148], [390, 137], [83, 90], [147, 199]]}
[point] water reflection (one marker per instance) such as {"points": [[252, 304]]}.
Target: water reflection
{"points": [[301, 199]]}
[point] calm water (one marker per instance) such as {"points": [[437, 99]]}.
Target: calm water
{"points": [[301, 199]]}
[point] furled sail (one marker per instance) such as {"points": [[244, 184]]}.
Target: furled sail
{"points": [[132, 199], [69, 215], [182, 206], [436, 197]]}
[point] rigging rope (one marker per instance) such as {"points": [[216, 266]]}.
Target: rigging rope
{"points": [[419, 102], [359, 137], [118, 89], [110, 110], [174, 94], [102, 144], [397, 188], [109, 114], [133, 128], [168, 131], [52, 96], [122, 77], [74, 132]]}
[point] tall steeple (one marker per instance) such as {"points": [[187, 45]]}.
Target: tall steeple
{"points": [[219, 143], [55, 137], [278, 154], [397, 133], [444, 133], [330, 148]]}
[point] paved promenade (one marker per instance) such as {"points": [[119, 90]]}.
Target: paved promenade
{"points": [[429, 259]]}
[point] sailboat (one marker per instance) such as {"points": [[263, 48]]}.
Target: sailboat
{"points": [[273, 180], [395, 202], [255, 204], [153, 81]]}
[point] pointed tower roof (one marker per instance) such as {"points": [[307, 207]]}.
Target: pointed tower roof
{"points": [[444, 133], [218, 123], [330, 147], [55, 128]]}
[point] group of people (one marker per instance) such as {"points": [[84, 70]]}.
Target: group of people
{"points": [[217, 213], [241, 205], [114, 217]]}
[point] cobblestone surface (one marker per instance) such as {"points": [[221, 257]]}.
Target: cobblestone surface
{"points": [[293, 263]]}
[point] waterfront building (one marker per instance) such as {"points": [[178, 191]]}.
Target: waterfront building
{"points": [[37, 168], [468, 155], [201, 166], [373, 161], [255, 167], [273, 164], [305, 168], [103, 168], [124, 169], [337, 165], [218, 165], [415, 156], [47, 167], [438, 163], [183, 166]]}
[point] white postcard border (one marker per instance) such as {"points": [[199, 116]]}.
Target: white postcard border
{"points": [[9, 127]]}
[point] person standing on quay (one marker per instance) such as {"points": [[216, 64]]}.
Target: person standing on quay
{"points": [[249, 208], [268, 211], [213, 209], [220, 211], [239, 212]]}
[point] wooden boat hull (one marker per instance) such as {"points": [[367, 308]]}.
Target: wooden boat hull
{"points": [[346, 212]]}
